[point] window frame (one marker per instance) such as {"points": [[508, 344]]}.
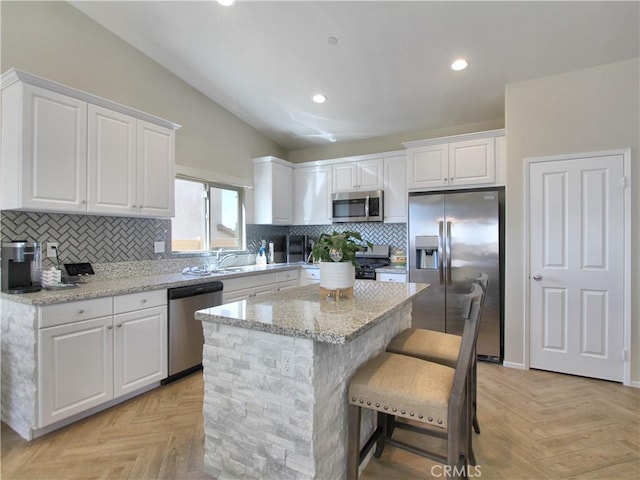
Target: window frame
{"points": [[241, 234]]}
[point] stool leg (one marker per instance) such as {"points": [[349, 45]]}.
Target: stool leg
{"points": [[353, 442], [382, 421], [474, 386]]}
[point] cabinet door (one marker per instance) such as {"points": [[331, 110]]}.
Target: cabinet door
{"points": [[472, 162], [312, 196], [309, 276], [140, 349], [282, 192], [428, 167], [395, 190], [155, 170], [75, 368], [111, 166], [54, 164], [371, 174], [344, 177]]}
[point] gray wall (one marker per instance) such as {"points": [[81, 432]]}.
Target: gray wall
{"points": [[58, 42], [588, 110]]}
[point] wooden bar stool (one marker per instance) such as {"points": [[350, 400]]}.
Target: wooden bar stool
{"points": [[439, 347], [400, 386]]}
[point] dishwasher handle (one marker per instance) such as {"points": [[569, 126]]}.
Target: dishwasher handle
{"points": [[193, 290]]}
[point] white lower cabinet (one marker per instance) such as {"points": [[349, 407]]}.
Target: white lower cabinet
{"points": [[391, 277], [242, 288], [140, 349], [287, 280], [76, 368], [84, 363], [309, 276]]}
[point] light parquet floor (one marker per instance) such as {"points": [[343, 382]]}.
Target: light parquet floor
{"points": [[535, 425]]}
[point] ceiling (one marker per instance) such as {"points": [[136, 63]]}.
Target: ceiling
{"points": [[389, 71]]}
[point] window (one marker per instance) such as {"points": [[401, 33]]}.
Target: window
{"points": [[208, 217]]}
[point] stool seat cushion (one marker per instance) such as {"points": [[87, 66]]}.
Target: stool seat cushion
{"points": [[428, 345], [405, 387]]}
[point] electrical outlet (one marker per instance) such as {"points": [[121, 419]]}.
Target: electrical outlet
{"points": [[158, 247], [286, 364], [52, 248]]}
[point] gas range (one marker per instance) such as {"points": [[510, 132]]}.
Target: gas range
{"points": [[375, 257]]}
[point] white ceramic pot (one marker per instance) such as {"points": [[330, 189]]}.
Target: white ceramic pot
{"points": [[337, 275]]}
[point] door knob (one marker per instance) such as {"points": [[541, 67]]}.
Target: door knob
{"points": [[537, 277]]}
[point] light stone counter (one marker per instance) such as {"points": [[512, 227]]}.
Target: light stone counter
{"points": [[98, 287], [276, 372], [300, 312]]}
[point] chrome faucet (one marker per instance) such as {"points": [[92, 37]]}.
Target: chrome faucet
{"points": [[219, 260]]}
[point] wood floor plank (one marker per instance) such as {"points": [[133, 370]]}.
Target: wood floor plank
{"points": [[535, 425]]}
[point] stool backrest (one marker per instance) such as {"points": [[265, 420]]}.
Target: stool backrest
{"points": [[467, 347]]}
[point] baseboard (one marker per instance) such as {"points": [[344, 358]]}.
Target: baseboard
{"points": [[517, 366], [635, 384]]}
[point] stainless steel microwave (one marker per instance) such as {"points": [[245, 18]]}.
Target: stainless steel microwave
{"points": [[357, 206]]}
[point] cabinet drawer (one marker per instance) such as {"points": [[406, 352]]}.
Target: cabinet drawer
{"points": [[392, 277], [249, 281], [137, 301], [287, 276], [52, 315], [311, 274]]}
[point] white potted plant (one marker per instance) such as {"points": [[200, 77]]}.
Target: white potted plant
{"points": [[337, 256]]}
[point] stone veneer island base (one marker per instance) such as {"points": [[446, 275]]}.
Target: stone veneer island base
{"points": [[276, 373]]}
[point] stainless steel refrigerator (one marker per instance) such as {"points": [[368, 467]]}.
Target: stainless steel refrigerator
{"points": [[454, 238]]}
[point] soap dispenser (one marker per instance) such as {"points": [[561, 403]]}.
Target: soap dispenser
{"points": [[261, 258]]}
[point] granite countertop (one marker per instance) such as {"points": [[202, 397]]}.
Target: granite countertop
{"points": [[301, 312], [390, 269], [97, 287]]}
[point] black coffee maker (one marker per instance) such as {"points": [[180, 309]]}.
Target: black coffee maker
{"points": [[21, 266]]}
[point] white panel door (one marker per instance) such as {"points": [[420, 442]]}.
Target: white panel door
{"points": [[312, 196], [472, 162], [155, 170], [345, 177], [370, 174], [140, 349], [576, 235], [395, 189], [76, 368], [111, 167], [55, 161], [428, 167]]}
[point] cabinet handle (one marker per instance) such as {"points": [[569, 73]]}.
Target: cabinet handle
{"points": [[81, 311], [110, 327], [144, 300], [83, 202], [119, 325]]}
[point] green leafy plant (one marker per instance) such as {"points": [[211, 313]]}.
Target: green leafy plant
{"points": [[340, 245]]}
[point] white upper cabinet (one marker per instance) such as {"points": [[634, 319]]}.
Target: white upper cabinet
{"points": [[273, 191], [155, 170], [68, 151], [472, 162], [312, 195], [111, 161], [44, 150], [395, 189], [358, 175], [454, 162]]}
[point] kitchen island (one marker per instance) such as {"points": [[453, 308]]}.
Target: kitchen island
{"points": [[276, 372]]}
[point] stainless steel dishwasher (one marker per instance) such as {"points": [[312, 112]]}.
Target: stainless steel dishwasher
{"points": [[185, 333]]}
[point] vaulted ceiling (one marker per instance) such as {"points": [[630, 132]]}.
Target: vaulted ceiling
{"points": [[383, 66]]}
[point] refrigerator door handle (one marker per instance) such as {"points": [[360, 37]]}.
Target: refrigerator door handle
{"points": [[448, 250], [440, 249]]}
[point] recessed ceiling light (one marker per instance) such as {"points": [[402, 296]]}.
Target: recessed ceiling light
{"points": [[459, 64], [227, 3], [319, 98]]}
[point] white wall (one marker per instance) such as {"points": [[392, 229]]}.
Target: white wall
{"points": [[57, 41], [588, 110]]}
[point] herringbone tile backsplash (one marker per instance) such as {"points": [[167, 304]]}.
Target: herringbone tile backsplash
{"points": [[89, 238], [103, 239]]}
